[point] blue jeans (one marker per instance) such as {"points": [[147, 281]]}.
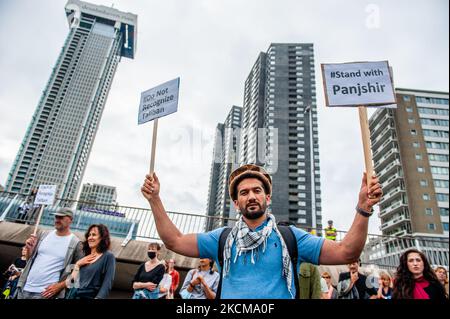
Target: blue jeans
{"points": [[145, 294]]}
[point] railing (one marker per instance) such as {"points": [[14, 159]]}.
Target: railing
{"points": [[381, 135], [389, 153], [385, 251], [391, 207], [138, 223], [394, 221], [393, 192]]}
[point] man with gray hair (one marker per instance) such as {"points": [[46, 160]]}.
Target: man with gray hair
{"points": [[48, 256]]}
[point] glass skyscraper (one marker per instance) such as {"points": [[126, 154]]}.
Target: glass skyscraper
{"points": [[58, 141], [279, 130]]}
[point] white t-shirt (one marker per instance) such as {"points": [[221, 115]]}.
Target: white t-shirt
{"points": [[166, 282], [323, 285], [49, 262]]}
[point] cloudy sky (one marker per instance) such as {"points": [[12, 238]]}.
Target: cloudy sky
{"points": [[211, 45]]}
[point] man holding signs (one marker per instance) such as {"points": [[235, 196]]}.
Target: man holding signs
{"points": [[256, 262], [270, 274], [49, 254]]}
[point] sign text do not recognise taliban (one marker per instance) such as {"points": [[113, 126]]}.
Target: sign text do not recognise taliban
{"points": [[358, 83], [45, 195], [159, 101]]}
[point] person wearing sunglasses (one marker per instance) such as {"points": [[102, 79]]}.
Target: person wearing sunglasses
{"points": [[332, 293]]}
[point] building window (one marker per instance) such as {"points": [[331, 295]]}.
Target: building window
{"points": [[445, 226], [443, 211], [439, 183], [420, 169], [423, 183], [418, 157], [409, 109], [416, 144], [426, 197], [442, 197], [439, 170], [431, 226], [437, 145], [428, 211], [411, 121], [406, 98]]}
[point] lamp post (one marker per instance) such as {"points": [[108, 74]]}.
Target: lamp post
{"points": [[312, 175]]}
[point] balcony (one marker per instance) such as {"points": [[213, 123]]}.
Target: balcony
{"points": [[379, 138], [396, 177], [377, 120], [387, 143], [394, 222], [375, 129], [389, 168], [386, 158], [400, 233], [394, 207], [389, 196]]}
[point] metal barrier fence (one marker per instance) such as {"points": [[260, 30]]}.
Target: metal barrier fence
{"points": [[138, 223]]}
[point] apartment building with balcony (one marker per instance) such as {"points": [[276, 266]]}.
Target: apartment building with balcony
{"points": [[410, 149]]}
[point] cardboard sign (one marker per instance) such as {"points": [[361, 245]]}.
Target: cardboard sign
{"points": [[358, 84], [45, 195], [159, 101]]}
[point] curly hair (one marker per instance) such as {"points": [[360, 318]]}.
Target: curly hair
{"points": [[404, 280], [105, 240]]}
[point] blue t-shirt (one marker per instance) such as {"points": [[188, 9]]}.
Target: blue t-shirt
{"points": [[263, 279]]}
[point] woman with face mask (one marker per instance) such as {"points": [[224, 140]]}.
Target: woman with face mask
{"points": [[149, 275]]}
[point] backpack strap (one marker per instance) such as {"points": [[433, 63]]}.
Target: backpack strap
{"points": [[291, 243], [222, 240]]}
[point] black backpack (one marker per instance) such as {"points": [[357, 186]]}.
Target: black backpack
{"points": [[289, 239]]}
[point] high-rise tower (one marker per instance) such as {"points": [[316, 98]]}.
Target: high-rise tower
{"points": [[224, 160], [411, 156], [58, 141], [279, 130]]}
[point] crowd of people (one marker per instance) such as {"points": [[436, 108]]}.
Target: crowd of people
{"points": [[256, 258]]}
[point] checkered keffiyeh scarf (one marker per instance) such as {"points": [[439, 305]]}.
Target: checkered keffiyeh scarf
{"points": [[251, 241]]}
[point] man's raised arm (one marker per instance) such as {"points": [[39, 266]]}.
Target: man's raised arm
{"points": [[173, 239], [350, 248]]}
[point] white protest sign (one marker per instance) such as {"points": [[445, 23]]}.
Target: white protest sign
{"points": [[45, 195], [159, 101], [358, 84]]}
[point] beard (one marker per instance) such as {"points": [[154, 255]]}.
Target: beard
{"points": [[254, 214]]}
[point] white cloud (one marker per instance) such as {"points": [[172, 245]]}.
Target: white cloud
{"points": [[212, 45]]}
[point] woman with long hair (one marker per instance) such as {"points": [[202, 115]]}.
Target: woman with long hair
{"points": [[441, 274], [93, 275], [415, 279]]}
